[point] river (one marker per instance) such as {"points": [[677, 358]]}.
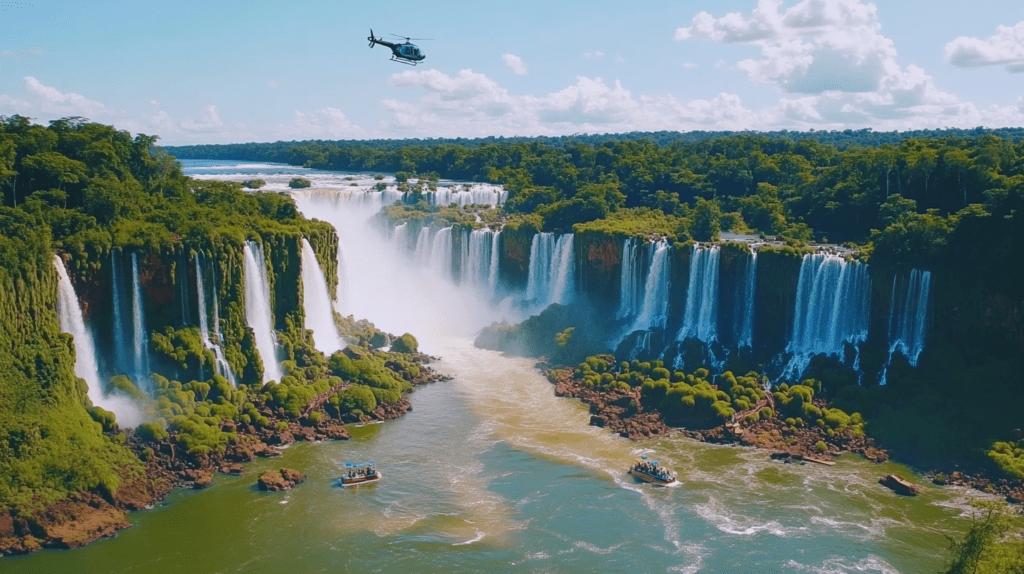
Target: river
{"points": [[491, 472]]}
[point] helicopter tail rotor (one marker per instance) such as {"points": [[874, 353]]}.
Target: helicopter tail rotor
{"points": [[371, 38]]}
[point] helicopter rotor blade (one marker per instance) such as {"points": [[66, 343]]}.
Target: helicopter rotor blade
{"points": [[407, 38]]}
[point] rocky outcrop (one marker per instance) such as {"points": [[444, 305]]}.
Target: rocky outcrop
{"points": [[624, 412], [618, 410], [276, 481], [70, 523]]}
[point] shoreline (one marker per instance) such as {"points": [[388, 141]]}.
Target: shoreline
{"points": [[84, 517], [624, 413]]}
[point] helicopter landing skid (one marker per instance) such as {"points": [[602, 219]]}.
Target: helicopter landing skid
{"points": [[403, 61]]}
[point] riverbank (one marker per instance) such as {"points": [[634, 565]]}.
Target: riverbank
{"points": [[84, 517], [624, 412]]}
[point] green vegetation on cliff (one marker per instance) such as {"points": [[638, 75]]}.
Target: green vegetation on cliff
{"points": [[96, 195], [49, 443]]}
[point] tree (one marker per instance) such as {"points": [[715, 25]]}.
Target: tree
{"points": [[706, 220], [55, 167], [982, 549]]}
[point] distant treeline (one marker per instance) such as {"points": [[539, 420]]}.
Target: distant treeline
{"points": [[276, 151]]}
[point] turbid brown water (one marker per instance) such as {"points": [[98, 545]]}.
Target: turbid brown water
{"points": [[490, 471]]}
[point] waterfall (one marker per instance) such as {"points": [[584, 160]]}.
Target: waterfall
{"points": [[540, 263], [139, 333], [832, 309], [222, 366], [316, 302], [423, 245], [470, 194], [700, 319], [563, 270], [492, 278], [70, 314], [550, 278], [464, 256], [654, 311], [631, 279], [441, 253], [257, 310], [477, 264], [400, 238], [228, 373], [744, 316], [908, 316]]}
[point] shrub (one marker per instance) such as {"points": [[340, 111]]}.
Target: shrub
{"points": [[253, 183], [358, 398], [151, 431], [299, 183], [405, 344], [104, 417], [820, 446], [1009, 457]]}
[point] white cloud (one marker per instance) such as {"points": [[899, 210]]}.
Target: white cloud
{"points": [[514, 63], [597, 54], [834, 61], [207, 122], [20, 53], [1004, 48], [273, 83], [40, 99], [44, 103], [327, 123], [471, 104], [206, 126]]}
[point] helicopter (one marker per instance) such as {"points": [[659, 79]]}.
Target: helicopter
{"points": [[403, 53]]}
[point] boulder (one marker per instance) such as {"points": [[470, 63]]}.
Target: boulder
{"points": [[241, 453], [228, 468], [276, 481], [280, 438], [335, 432], [203, 480], [898, 485], [293, 476]]}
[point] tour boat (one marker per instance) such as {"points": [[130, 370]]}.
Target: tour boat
{"points": [[357, 473], [652, 472]]}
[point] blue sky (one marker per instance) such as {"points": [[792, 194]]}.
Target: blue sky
{"points": [[231, 71]]}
